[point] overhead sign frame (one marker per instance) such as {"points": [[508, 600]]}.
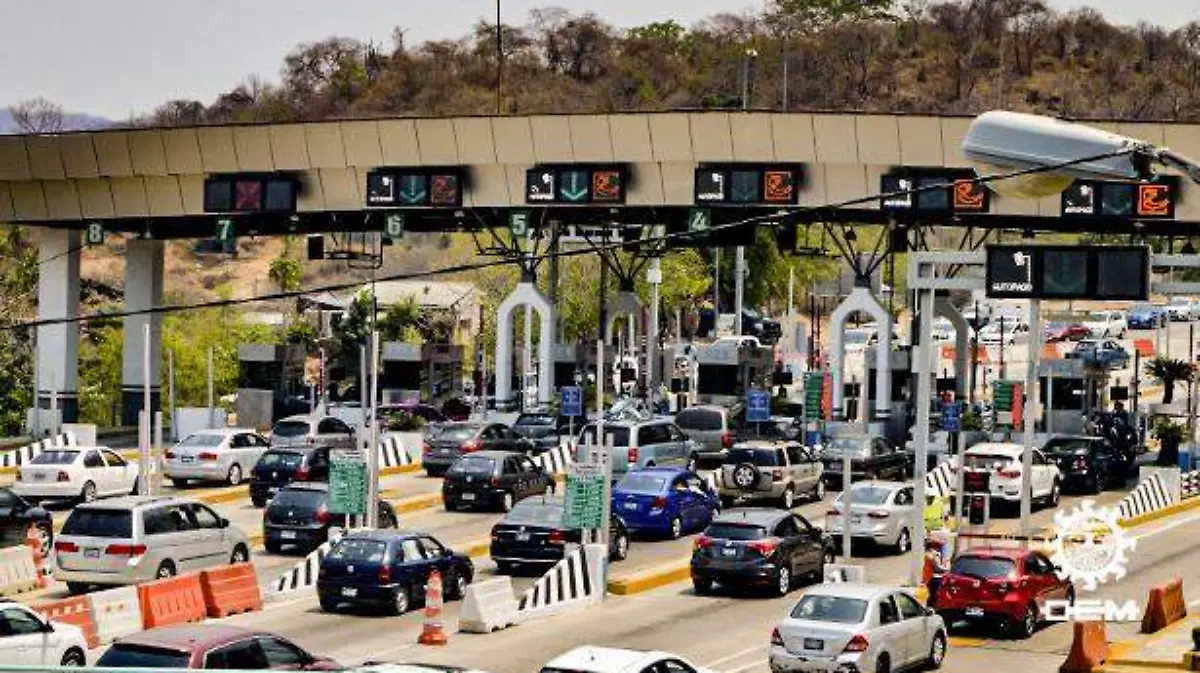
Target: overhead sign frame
{"points": [[1067, 272], [415, 187], [962, 193], [749, 184], [577, 184], [1116, 200], [226, 193]]}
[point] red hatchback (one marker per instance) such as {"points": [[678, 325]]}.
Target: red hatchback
{"points": [[211, 646], [1001, 586]]}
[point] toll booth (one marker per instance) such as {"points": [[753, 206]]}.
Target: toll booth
{"points": [[902, 394], [566, 365], [1069, 390], [727, 368], [270, 384], [420, 372]]}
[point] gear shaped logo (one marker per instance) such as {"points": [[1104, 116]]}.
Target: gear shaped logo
{"points": [[1090, 545]]}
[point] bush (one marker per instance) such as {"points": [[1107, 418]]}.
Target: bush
{"points": [[402, 421]]}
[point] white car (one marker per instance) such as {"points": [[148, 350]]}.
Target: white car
{"points": [[857, 627], [1003, 461], [591, 659], [943, 331], [27, 639], [1183, 309], [83, 472], [214, 455], [993, 335], [1107, 324]]}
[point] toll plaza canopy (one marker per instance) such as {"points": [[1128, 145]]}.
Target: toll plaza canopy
{"points": [[661, 165]]}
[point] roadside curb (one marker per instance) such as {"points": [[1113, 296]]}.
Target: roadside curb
{"points": [[1170, 510], [417, 502], [399, 469], [653, 578]]}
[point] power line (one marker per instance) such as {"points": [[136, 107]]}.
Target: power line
{"points": [[775, 219]]}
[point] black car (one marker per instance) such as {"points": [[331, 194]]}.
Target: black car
{"points": [[498, 479], [299, 516], [759, 548], [870, 458], [446, 443], [757, 325], [542, 428], [533, 535], [389, 570], [279, 467], [1087, 464], [16, 517]]}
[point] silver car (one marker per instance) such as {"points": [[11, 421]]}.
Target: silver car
{"points": [[303, 430], [641, 444], [881, 513], [857, 627], [226, 454], [136, 539], [710, 426], [770, 470]]}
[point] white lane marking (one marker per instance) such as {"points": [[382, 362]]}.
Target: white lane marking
{"points": [[1167, 527], [377, 656], [735, 655], [747, 667]]}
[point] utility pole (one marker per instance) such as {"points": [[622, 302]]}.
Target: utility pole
{"points": [[739, 266], [145, 418]]}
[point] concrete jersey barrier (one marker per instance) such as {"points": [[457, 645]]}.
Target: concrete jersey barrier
{"points": [[303, 575], [394, 449], [116, 612], [18, 573], [14, 458], [488, 606], [556, 460], [575, 581], [1149, 495], [941, 481]]}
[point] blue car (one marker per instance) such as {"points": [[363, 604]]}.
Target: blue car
{"points": [[1147, 316], [388, 570], [665, 500]]}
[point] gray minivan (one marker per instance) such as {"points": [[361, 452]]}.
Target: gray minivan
{"points": [[712, 427], [639, 444], [302, 430]]}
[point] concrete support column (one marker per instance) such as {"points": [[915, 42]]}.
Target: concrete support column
{"points": [[143, 290], [57, 357]]}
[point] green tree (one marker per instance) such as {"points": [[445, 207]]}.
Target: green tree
{"points": [[285, 272], [400, 321], [1168, 372]]}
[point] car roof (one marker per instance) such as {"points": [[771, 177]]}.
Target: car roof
{"points": [[996, 448], [853, 590], [301, 418], [494, 453], [307, 486], [383, 534], [763, 444], [759, 516], [222, 431], [189, 637], [879, 483], [132, 502], [660, 469], [602, 659], [468, 424], [1013, 553]]}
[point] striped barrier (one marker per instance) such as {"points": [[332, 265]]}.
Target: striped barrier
{"points": [[940, 482], [556, 460], [1189, 484], [393, 453], [1149, 495], [17, 457], [303, 575], [575, 581]]}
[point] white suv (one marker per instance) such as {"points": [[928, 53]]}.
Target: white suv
{"points": [[26, 639], [1107, 324], [1003, 461]]}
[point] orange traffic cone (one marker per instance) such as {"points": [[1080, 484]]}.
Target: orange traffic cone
{"points": [[433, 633], [39, 561]]}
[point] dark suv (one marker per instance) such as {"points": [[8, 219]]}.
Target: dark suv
{"points": [[279, 467], [759, 547], [1088, 464], [299, 516]]}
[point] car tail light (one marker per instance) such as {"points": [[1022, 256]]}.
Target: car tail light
{"points": [[633, 454], [659, 503], [302, 473], [208, 456], [63, 476], [310, 440], [878, 514], [727, 440], [495, 534], [857, 644], [1009, 472], [776, 639], [556, 537], [1080, 464], [426, 449], [494, 481], [703, 542], [385, 574], [777, 474], [125, 549], [64, 547], [323, 515], [169, 455], [764, 547], [468, 447]]}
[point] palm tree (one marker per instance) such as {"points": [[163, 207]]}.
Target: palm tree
{"points": [[1169, 372]]}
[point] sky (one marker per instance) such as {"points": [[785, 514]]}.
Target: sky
{"points": [[117, 58]]}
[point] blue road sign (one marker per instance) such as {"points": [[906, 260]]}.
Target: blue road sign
{"points": [[572, 401], [951, 417], [758, 406]]}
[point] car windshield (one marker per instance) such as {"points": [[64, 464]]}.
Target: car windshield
{"points": [[618, 434], [54, 457], [698, 419], [735, 531], [760, 457], [130, 655], [536, 513], [99, 523], [307, 498], [1098, 317], [1063, 445], [868, 495], [202, 439], [840, 447], [541, 420], [290, 429], [987, 461], [983, 567], [474, 465], [1142, 308], [635, 482], [359, 549], [278, 459], [817, 608], [456, 433]]}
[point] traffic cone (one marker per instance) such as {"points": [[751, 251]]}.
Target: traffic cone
{"points": [[433, 633], [39, 561]]}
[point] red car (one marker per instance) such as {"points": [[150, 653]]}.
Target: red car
{"points": [[1000, 585], [211, 646], [1065, 331]]}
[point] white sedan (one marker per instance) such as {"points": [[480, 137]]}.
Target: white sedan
{"points": [[225, 455], [591, 659], [858, 627], [84, 472], [26, 639]]}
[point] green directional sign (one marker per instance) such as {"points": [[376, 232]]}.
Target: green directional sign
{"points": [[518, 223], [412, 189], [347, 482], [393, 226], [583, 507], [225, 232], [574, 186], [746, 186], [814, 391], [699, 220], [94, 235]]}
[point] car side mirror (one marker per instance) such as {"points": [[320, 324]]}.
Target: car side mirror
{"points": [[929, 612], [47, 627], [223, 522]]}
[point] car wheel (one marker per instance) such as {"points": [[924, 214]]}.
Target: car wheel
{"points": [[240, 555], [937, 651], [258, 502], [727, 502], [235, 475], [1070, 596], [503, 568], [702, 586], [819, 491], [179, 483], [620, 547], [507, 501], [73, 657], [88, 493], [693, 463], [76, 588], [166, 570], [272, 547], [789, 498], [1027, 624], [328, 605], [400, 601], [676, 528], [784, 585], [1093, 485], [456, 586], [903, 542], [829, 556], [1054, 495]]}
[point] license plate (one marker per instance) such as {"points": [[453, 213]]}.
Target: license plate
{"points": [[39, 477], [522, 537], [288, 534], [855, 518], [631, 506], [467, 497], [272, 492], [349, 592], [975, 612], [814, 644], [187, 459], [729, 552], [91, 553]]}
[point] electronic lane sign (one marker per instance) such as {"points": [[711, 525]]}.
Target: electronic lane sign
{"points": [[943, 191], [250, 193], [749, 184], [415, 187], [576, 185], [1121, 200], [1113, 273]]}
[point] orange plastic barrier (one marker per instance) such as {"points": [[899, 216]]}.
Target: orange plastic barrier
{"points": [[35, 544], [1089, 648], [75, 611], [1164, 607], [230, 590], [175, 600]]}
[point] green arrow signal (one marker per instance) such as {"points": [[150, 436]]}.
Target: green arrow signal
{"points": [[575, 186], [412, 189]]}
